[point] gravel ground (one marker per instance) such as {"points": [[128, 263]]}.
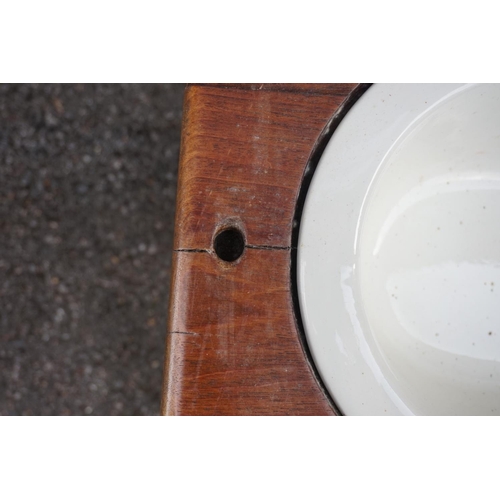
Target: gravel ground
{"points": [[87, 192]]}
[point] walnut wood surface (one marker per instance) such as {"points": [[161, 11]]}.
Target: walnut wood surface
{"points": [[232, 345], [334, 89]]}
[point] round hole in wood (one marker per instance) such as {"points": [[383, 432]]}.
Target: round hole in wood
{"points": [[229, 244]]}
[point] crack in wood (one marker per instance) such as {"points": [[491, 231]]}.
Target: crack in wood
{"points": [[191, 250], [267, 247], [252, 247]]}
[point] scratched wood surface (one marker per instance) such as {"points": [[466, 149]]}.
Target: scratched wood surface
{"points": [[233, 345]]}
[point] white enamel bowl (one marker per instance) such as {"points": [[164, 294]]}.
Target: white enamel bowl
{"points": [[399, 253]]}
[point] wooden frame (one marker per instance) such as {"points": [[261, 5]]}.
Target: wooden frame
{"points": [[234, 342]]}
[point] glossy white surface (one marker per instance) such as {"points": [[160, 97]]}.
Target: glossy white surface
{"points": [[399, 253]]}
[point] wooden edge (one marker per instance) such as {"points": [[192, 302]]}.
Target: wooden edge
{"points": [[178, 347], [296, 88]]}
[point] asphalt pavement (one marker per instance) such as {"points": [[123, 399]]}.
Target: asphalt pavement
{"points": [[87, 193]]}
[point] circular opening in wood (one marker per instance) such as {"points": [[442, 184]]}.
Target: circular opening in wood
{"points": [[229, 244]]}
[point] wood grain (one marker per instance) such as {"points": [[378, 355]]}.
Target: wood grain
{"points": [[236, 355], [233, 346], [301, 88], [243, 157]]}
